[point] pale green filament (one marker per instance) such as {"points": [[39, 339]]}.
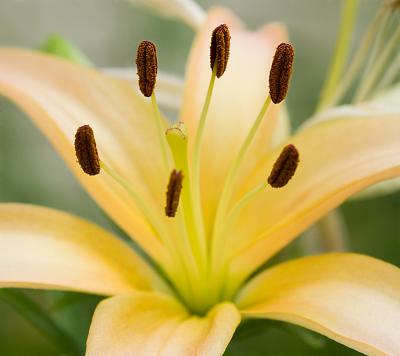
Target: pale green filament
{"points": [[218, 237], [237, 208], [349, 13], [227, 189], [367, 84], [202, 123], [195, 173], [161, 133]]}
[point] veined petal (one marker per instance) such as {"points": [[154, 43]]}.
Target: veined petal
{"points": [[337, 159], [59, 96], [48, 249], [154, 324], [350, 298], [385, 103], [237, 98]]}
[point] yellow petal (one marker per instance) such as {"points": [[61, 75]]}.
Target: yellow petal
{"points": [[350, 298], [60, 96], [154, 324], [337, 158], [48, 249], [237, 98]]}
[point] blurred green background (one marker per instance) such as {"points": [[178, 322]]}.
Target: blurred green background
{"points": [[108, 32]]}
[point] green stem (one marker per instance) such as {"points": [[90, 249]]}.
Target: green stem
{"points": [[348, 16], [356, 62], [390, 74], [367, 84], [38, 317]]}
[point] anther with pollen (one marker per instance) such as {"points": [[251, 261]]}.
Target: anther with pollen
{"points": [[281, 70], [284, 167], [219, 49], [86, 150], [147, 65], [173, 193]]}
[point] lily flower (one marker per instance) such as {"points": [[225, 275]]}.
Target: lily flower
{"points": [[222, 219]]}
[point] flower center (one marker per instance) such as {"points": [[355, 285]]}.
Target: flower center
{"points": [[198, 274]]}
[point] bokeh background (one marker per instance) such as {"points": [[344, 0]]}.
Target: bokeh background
{"points": [[108, 31]]}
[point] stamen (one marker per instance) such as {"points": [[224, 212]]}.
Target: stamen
{"points": [[219, 52], [146, 62], [393, 4], [281, 70], [173, 192], [284, 167], [219, 49], [86, 150]]}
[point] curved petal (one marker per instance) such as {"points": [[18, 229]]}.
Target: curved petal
{"points": [[48, 249], [337, 159], [385, 103], [237, 98], [154, 324], [59, 96], [350, 298]]}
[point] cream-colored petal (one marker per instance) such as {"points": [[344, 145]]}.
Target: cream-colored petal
{"points": [[237, 98], [48, 249], [60, 96], [337, 159], [153, 324], [385, 103], [350, 298]]}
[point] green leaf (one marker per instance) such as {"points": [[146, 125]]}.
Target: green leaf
{"points": [[39, 318], [61, 47]]}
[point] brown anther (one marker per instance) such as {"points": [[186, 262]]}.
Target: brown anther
{"points": [[393, 4], [86, 150], [146, 62], [219, 49], [173, 192], [281, 70], [284, 167]]}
